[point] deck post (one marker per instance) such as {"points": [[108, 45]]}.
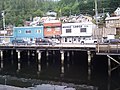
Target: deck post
{"points": [[68, 54], [47, 53], [11, 52], [19, 66], [62, 63], [89, 58], [28, 54], [18, 53], [62, 70], [53, 52], [98, 47], [1, 54], [39, 68], [39, 61], [28, 57], [62, 57], [109, 67], [39, 55], [89, 64]]}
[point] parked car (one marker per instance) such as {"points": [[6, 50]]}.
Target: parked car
{"points": [[3, 42], [112, 41], [40, 41], [88, 40], [20, 42]]}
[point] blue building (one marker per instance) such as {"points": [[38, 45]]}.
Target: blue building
{"points": [[29, 33]]}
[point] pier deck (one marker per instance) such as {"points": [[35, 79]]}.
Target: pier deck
{"points": [[100, 49]]}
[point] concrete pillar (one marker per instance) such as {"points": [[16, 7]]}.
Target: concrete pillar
{"points": [[62, 69], [53, 52], [89, 65], [109, 67], [39, 56], [68, 54], [62, 63], [12, 54], [72, 53], [39, 68], [39, 61], [28, 57], [62, 57], [19, 66], [47, 53], [28, 54], [89, 58], [1, 54], [18, 53]]}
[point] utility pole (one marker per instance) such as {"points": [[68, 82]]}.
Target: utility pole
{"points": [[96, 12], [3, 15]]}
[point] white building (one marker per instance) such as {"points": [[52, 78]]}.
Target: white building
{"points": [[74, 32], [117, 11]]}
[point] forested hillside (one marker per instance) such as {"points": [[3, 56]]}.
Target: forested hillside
{"points": [[17, 11]]}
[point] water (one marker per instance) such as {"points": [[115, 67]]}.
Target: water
{"points": [[74, 72]]}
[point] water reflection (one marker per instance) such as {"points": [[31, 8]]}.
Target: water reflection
{"points": [[74, 70]]}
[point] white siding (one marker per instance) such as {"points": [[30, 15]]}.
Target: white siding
{"points": [[75, 29]]}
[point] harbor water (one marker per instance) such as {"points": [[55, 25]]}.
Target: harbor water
{"points": [[73, 74]]}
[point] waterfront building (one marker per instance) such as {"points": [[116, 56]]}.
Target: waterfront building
{"points": [[113, 22], [74, 32], [29, 33], [52, 29], [117, 11]]}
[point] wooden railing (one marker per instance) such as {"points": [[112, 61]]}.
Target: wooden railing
{"points": [[108, 48]]}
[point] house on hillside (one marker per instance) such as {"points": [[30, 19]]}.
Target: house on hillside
{"points": [[51, 13], [74, 32], [113, 22], [117, 11], [100, 16]]}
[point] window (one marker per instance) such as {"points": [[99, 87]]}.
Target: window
{"points": [[86, 26], [38, 31], [48, 29], [19, 31], [83, 30], [68, 30], [28, 31], [57, 29]]}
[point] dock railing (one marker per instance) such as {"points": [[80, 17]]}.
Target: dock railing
{"points": [[108, 48]]}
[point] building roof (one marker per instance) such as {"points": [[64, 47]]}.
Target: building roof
{"points": [[53, 21], [112, 18]]}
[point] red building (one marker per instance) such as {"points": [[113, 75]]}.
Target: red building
{"points": [[52, 28]]}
